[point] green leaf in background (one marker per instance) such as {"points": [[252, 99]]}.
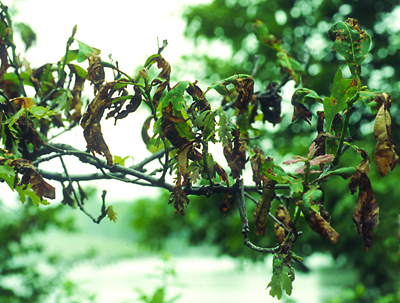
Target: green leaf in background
{"points": [[342, 91], [345, 173], [305, 95], [28, 36], [291, 66], [85, 51], [262, 34], [350, 42]]}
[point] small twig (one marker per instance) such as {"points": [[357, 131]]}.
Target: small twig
{"points": [[240, 199]]}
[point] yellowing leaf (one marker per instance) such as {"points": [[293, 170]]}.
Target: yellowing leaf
{"points": [[112, 215]]}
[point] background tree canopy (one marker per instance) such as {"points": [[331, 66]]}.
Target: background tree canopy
{"points": [[301, 29]]}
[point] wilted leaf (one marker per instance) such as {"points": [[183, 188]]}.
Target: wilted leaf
{"points": [[226, 203], [351, 42], [270, 102], [95, 71], [316, 222], [244, 85], [236, 157], [385, 150], [76, 92], [263, 206], [163, 77], [134, 103], [283, 216], [223, 176], [91, 122], [367, 210], [180, 197]]}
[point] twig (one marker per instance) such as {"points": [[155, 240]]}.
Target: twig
{"points": [[240, 199]]}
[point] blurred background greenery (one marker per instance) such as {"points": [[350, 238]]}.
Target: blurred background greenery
{"points": [[151, 223]]}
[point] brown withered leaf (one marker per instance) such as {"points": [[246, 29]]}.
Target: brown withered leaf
{"points": [[322, 227], [263, 206], [180, 197], [95, 71], [67, 196], [163, 78], [256, 161], [236, 157], [226, 203], [76, 92], [91, 122], [196, 91], [385, 149], [35, 77], [300, 110], [283, 216], [31, 176], [245, 89], [366, 213], [270, 103], [223, 176], [133, 105]]}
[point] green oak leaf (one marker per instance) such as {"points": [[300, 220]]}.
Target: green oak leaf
{"points": [[350, 42], [342, 91]]}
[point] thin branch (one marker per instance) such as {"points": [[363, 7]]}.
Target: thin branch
{"points": [[240, 199]]}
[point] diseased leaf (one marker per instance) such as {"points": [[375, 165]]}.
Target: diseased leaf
{"points": [[263, 206], [342, 91], [91, 122], [351, 42], [236, 157], [244, 85], [180, 197], [366, 213], [163, 77], [85, 51], [175, 96], [270, 102], [283, 216], [385, 149], [316, 222]]}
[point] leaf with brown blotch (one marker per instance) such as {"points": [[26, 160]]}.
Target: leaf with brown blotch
{"points": [[91, 122], [196, 92], [283, 216], [317, 222], [322, 227], [256, 161], [31, 176], [22, 102], [163, 77], [133, 105], [76, 92], [226, 203], [263, 206], [385, 150], [221, 173], [236, 157], [95, 71], [366, 213], [180, 197]]}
